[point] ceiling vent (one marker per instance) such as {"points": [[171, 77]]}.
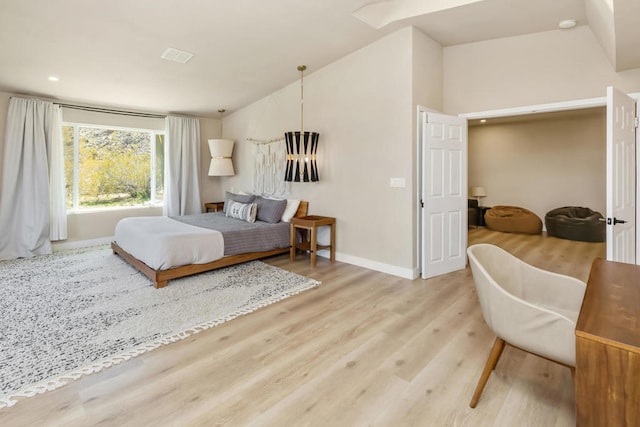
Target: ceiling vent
{"points": [[176, 55]]}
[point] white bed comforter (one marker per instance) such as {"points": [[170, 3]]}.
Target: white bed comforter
{"points": [[163, 243]]}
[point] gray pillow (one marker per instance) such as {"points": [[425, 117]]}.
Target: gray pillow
{"points": [[270, 210], [229, 197]]}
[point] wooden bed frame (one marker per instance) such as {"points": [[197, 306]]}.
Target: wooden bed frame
{"points": [[161, 278]]}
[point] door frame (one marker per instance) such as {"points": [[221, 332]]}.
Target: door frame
{"points": [[542, 108], [564, 106]]}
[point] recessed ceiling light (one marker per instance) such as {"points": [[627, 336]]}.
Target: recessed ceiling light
{"points": [[483, 121], [567, 23], [53, 78]]}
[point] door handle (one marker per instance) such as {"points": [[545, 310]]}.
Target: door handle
{"points": [[615, 221]]}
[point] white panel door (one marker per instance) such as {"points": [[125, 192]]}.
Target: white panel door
{"points": [[621, 177], [444, 194]]}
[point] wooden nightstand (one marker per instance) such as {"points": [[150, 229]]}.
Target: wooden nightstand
{"points": [[311, 224], [214, 206]]}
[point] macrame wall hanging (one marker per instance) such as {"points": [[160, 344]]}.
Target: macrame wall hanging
{"points": [[270, 162]]}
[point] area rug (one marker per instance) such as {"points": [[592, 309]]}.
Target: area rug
{"points": [[77, 312]]}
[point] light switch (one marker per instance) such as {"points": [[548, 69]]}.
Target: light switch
{"points": [[398, 183]]}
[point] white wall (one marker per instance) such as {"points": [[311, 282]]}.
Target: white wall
{"points": [[209, 185], [362, 106], [541, 164], [427, 71], [529, 70]]}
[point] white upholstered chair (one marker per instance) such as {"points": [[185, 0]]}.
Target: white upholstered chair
{"points": [[526, 307]]}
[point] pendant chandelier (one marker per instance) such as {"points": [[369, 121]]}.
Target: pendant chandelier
{"points": [[301, 147]]}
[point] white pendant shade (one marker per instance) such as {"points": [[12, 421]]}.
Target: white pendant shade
{"points": [[221, 152]]}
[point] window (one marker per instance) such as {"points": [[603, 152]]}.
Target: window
{"points": [[112, 167]]}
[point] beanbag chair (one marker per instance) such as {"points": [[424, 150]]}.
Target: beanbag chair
{"points": [[575, 223], [513, 219]]}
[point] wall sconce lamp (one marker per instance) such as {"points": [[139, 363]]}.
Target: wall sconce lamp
{"points": [[301, 147], [478, 192], [221, 153]]}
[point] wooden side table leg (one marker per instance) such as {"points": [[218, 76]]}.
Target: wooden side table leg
{"points": [[292, 248], [333, 242], [314, 245]]}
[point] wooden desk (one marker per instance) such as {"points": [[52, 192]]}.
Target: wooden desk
{"points": [[311, 223], [607, 379]]}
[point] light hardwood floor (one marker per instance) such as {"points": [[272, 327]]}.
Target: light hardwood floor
{"points": [[364, 348]]}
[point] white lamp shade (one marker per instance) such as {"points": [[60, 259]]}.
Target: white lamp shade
{"points": [[221, 152], [478, 192]]}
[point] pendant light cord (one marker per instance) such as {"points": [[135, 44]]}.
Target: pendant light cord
{"points": [[221, 111], [301, 68]]}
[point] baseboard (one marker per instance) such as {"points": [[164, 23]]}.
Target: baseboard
{"points": [[406, 273], [75, 244]]}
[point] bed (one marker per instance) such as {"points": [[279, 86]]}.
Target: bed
{"points": [[168, 248]]}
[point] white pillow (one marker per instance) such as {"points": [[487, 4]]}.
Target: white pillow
{"points": [[290, 210], [245, 212]]}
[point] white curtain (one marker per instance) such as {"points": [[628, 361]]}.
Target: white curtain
{"points": [[182, 166], [32, 207], [57, 185]]}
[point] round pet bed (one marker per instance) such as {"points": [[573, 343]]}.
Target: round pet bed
{"points": [[575, 223], [513, 219]]}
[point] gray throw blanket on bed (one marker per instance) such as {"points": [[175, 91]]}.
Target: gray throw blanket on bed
{"points": [[240, 236]]}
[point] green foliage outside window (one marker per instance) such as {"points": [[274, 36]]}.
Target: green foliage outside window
{"points": [[114, 166]]}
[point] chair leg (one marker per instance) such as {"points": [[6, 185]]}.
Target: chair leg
{"points": [[492, 361]]}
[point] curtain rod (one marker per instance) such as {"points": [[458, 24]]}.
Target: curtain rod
{"points": [[110, 111]]}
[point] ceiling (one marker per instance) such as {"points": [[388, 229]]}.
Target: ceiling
{"points": [[107, 53]]}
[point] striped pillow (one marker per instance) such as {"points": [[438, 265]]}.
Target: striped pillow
{"points": [[245, 212]]}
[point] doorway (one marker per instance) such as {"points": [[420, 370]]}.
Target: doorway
{"points": [[621, 179], [541, 161]]}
